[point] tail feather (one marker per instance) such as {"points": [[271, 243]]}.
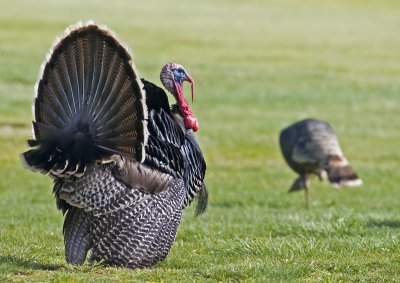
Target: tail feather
{"points": [[71, 75], [120, 107], [343, 176], [122, 110], [51, 99], [202, 200], [49, 114], [43, 129], [38, 160], [126, 127], [340, 173], [89, 104]]}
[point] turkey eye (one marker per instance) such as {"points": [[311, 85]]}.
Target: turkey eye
{"points": [[178, 73]]}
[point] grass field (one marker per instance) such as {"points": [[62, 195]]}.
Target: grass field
{"points": [[258, 66]]}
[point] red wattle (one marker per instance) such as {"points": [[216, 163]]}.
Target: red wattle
{"points": [[191, 123]]}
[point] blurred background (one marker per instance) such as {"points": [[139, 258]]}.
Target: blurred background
{"points": [[258, 66]]}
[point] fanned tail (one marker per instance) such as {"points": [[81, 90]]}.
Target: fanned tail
{"points": [[89, 104]]}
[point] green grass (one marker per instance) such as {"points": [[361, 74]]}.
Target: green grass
{"points": [[258, 66]]}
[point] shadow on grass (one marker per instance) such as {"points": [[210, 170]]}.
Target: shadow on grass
{"points": [[23, 263], [384, 223]]}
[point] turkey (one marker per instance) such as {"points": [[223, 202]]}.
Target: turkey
{"points": [[125, 164], [311, 147]]}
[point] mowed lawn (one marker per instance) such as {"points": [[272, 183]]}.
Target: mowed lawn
{"points": [[258, 66]]}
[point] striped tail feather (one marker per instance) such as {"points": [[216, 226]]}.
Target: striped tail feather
{"points": [[340, 173], [89, 104]]}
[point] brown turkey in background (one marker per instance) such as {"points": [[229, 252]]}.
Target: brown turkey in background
{"points": [[310, 147]]}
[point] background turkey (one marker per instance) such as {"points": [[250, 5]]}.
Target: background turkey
{"points": [[311, 147], [124, 163]]}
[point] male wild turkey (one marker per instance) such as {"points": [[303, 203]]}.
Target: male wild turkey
{"points": [[124, 163], [311, 147]]}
